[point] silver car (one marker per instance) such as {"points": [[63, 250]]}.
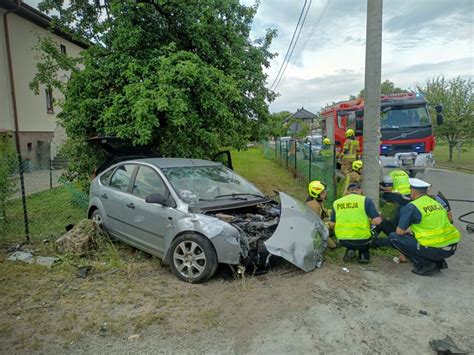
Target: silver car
{"points": [[195, 214]]}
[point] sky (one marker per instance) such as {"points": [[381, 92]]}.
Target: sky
{"points": [[420, 40]]}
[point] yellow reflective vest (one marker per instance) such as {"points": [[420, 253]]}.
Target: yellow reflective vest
{"points": [[352, 146], [400, 182], [434, 230], [351, 220]]}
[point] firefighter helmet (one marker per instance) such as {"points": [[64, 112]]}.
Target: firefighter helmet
{"points": [[350, 133], [315, 188], [357, 165], [326, 141]]}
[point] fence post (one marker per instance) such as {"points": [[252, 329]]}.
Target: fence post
{"points": [[50, 173], [296, 154], [279, 142], [23, 199], [334, 178], [286, 151], [310, 159], [276, 154]]}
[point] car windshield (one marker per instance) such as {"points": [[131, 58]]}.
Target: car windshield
{"points": [[209, 183], [315, 140], [405, 117]]}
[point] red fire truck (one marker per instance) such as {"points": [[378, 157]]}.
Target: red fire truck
{"points": [[407, 139]]}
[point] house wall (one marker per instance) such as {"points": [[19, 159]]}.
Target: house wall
{"points": [[36, 125]]}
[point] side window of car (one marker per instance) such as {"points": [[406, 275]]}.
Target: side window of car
{"points": [[148, 182], [121, 177], [105, 177]]}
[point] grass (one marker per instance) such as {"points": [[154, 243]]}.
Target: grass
{"points": [[48, 213], [466, 163]]}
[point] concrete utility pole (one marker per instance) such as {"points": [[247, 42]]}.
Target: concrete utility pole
{"points": [[373, 68]]}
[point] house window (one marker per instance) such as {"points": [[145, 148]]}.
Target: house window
{"points": [[49, 100], [63, 48]]}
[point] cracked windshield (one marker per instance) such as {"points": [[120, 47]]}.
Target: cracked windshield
{"points": [[209, 183]]}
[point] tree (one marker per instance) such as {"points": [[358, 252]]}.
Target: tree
{"points": [[387, 88], [274, 127], [456, 97], [181, 76]]}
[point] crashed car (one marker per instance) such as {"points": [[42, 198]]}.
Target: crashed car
{"points": [[195, 214]]}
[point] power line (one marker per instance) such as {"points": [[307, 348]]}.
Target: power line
{"points": [[291, 42], [313, 29], [294, 45]]}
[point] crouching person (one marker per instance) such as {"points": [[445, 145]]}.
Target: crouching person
{"points": [[434, 237], [352, 217]]}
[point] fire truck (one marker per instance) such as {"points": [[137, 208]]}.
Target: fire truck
{"points": [[407, 140]]}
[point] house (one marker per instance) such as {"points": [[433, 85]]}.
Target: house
{"points": [[30, 118], [299, 117]]}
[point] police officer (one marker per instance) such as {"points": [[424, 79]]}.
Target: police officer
{"points": [[317, 195], [352, 216], [396, 187], [432, 239], [350, 149], [355, 176]]}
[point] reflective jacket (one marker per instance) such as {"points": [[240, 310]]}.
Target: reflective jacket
{"points": [[352, 221], [434, 230], [352, 147], [400, 182]]}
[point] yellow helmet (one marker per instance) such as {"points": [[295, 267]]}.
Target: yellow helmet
{"points": [[326, 141], [350, 133], [357, 165], [315, 188]]}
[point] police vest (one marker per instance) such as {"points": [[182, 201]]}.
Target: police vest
{"points": [[351, 220], [400, 182], [352, 145], [434, 230]]}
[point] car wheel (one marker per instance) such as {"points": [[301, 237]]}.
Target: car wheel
{"points": [[97, 217], [193, 258]]}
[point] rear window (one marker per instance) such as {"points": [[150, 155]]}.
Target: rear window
{"points": [[122, 176]]}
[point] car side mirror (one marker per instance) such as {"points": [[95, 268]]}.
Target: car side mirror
{"points": [[439, 119], [156, 198], [439, 108]]}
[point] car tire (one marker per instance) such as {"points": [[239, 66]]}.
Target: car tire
{"points": [[192, 258], [98, 218]]}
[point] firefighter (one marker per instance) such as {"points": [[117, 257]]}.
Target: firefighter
{"points": [[355, 176], [396, 187], [326, 150], [350, 149], [317, 195], [424, 232], [352, 217]]}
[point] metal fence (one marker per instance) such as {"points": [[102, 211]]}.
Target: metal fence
{"points": [[34, 202], [307, 162]]}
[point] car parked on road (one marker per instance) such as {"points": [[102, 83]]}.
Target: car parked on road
{"points": [[195, 214], [315, 143]]}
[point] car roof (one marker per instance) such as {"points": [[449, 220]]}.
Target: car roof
{"points": [[164, 163]]}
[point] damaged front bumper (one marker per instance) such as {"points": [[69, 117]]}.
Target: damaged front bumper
{"points": [[301, 236]]}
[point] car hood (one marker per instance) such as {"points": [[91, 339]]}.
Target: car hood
{"points": [[301, 236]]}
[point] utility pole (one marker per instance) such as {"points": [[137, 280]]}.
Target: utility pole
{"points": [[373, 68]]}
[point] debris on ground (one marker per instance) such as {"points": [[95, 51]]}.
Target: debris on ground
{"points": [[29, 258], [422, 312], [446, 346], [134, 337], [345, 269], [82, 272], [80, 239]]}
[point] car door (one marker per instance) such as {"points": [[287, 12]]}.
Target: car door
{"points": [[148, 222], [114, 199]]}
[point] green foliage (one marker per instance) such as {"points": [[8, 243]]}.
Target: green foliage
{"points": [[184, 77], [8, 165], [274, 127], [387, 88], [456, 96]]}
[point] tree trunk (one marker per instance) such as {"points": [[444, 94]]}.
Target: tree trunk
{"points": [[451, 148]]}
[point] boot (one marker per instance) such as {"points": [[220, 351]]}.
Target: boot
{"points": [[364, 257], [426, 270], [442, 264], [350, 254]]}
